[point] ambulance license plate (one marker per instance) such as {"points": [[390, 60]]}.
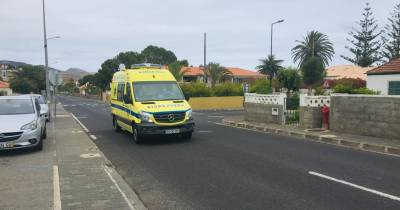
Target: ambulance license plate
{"points": [[172, 131]]}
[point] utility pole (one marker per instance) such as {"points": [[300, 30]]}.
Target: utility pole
{"points": [[205, 58], [46, 55]]}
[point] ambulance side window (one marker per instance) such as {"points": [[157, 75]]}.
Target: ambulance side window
{"points": [[120, 92], [128, 95]]}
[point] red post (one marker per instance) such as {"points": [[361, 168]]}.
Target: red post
{"points": [[325, 117]]}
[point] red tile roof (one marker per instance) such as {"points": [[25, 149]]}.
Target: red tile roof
{"points": [[4, 84], [393, 67], [236, 72], [347, 71]]}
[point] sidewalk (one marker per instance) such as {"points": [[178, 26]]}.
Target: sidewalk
{"points": [[87, 178], [379, 145], [69, 173]]}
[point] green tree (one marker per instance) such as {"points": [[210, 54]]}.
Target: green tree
{"points": [[91, 78], [270, 66], [289, 78], [184, 63], [313, 71], [315, 44], [217, 73], [29, 79], [176, 69], [365, 44], [158, 55], [391, 37]]}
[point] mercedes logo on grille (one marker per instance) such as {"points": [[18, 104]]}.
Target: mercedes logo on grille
{"points": [[171, 117]]}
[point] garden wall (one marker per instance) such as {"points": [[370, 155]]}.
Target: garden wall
{"points": [[262, 113], [310, 117], [377, 116]]}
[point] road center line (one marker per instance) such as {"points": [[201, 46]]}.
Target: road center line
{"points": [[80, 123], [56, 188], [355, 186]]}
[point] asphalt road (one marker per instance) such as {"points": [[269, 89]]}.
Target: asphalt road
{"points": [[230, 168]]}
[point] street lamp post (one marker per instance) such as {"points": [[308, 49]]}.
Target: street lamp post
{"points": [[272, 30], [45, 54]]}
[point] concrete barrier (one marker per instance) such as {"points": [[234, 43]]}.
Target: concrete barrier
{"points": [[215, 103]]}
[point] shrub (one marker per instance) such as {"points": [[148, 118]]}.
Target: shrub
{"points": [[260, 86], [196, 90], [228, 89], [365, 91], [342, 88], [3, 93], [354, 83]]}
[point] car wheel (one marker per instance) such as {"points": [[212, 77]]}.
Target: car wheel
{"points": [[117, 128], [136, 136]]}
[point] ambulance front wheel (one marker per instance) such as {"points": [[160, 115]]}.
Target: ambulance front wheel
{"points": [[136, 136]]}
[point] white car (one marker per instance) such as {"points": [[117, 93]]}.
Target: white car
{"points": [[21, 124], [44, 106]]}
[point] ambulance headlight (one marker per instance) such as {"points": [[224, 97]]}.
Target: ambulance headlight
{"points": [[189, 114], [145, 117]]}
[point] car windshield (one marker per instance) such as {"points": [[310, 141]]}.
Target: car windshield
{"points": [[16, 106], [157, 91]]}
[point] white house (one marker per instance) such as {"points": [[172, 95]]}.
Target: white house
{"points": [[385, 78]]}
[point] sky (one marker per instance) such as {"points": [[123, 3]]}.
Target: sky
{"points": [[238, 31]]}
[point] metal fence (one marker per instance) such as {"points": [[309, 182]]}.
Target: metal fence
{"points": [[292, 117]]}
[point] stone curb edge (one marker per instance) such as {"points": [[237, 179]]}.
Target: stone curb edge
{"points": [[317, 137]]}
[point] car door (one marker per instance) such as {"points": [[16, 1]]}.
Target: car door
{"points": [[128, 101]]}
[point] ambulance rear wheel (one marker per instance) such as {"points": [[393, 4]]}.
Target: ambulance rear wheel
{"points": [[136, 136], [116, 127]]}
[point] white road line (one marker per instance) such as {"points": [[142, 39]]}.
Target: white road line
{"points": [[93, 137], [83, 126], [356, 186], [56, 189], [119, 189]]}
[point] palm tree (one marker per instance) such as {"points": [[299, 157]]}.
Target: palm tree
{"points": [[217, 73], [176, 70], [315, 44], [270, 66]]}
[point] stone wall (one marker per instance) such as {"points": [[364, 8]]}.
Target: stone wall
{"points": [[377, 116], [310, 117], [262, 113]]}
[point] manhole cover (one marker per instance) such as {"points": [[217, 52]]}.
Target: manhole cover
{"points": [[90, 155]]}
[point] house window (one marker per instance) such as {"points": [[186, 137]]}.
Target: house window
{"points": [[394, 88]]}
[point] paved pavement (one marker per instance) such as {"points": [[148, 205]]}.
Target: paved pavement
{"points": [[229, 168], [70, 173]]}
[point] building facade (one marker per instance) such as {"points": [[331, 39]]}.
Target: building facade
{"points": [[385, 78]]}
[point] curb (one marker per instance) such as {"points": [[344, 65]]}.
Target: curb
{"points": [[322, 138]]}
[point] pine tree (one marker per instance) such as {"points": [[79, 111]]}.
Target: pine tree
{"points": [[391, 38], [365, 41]]}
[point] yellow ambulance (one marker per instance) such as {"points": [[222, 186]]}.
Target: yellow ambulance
{"points": [[147, 100]]}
